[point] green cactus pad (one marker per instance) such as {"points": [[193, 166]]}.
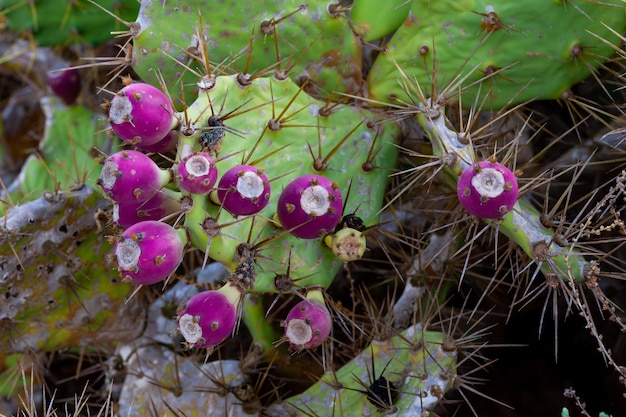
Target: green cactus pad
{"points": [[283, 155], [374, 19], [59, 290], [419, 371], [60, 22], [66, 154], [529, 51], [310, 42]]}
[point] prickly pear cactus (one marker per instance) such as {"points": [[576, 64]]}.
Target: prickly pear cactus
{"points": [[247, 145], [57, 22], [305, 40], [501, 52]]}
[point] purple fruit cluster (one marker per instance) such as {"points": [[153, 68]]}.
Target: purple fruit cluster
{"points": [[145, 195]]}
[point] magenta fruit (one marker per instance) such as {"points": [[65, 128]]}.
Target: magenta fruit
{"points": [[487, 190], [310, 206], [209, 317], [65, 84], [130, 177], [149, 251], [163, 203], [141, 114], [197, 173], [167, 144], [243, 190], [308, 323]]}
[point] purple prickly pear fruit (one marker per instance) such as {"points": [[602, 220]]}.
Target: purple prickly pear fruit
{"points": [[487, 190], [308, 323], [65, 84], [163, 203], [197, 173], [209, 317], [130, 177], [310, 206], [243, 190], [141, 114], [167, 144], [149, 251]]}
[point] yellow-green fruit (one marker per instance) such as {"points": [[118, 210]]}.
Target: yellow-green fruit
{"points": [[347, 244]]}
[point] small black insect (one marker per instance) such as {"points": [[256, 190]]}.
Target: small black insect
{"points": [[351, 221], [211, 139]]}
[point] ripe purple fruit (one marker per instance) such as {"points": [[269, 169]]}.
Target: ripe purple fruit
{"points": [[243, 190], [163, 203], [130, 177], [167, 144], [141, 114], [209, 317], [487, 190], [65, 83], [149, 251], [310, 206], [197, 173], [308, 323]]}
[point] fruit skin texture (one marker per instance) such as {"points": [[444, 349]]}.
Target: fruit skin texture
{"points": [[208, 318], [308, 324], [149, 251], [487, 189], [131, 177], [304, 207], [141, 114], [248, 178]]}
